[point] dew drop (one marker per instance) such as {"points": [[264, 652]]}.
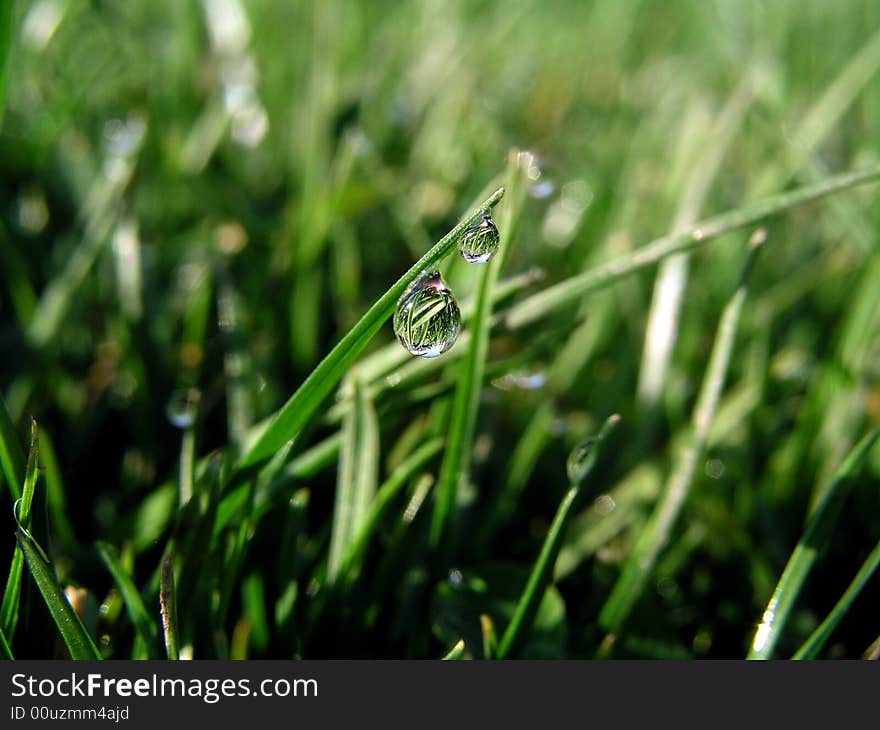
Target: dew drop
{"points": [[427, 320], [182, 407], [480, 242], [579, 461]]}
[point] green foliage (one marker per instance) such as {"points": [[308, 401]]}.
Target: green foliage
{"points": [[208, 213]]}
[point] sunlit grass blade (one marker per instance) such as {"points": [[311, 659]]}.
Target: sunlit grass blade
{"points": [[580, 465], [814, 643], [631, 583], [301, 406], [168, 607], [465, 403], [76, 638], [662, 326], [490, 640], [12, 595], [572, 289], [357, 478], [141, 619], [385, 496], [456, 652], [873, 651], [818, 530]]}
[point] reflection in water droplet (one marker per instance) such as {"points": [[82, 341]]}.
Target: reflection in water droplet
{"points": [[578, 459], [182, 407], [480, 242], [427, 320]]}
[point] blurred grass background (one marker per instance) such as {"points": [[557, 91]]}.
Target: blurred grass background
{"points": [[198, 199]]}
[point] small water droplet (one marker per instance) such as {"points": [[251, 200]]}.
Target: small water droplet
{"points": [[480, 241], [427, 320], [182, 407], [578, 460], [455, 578]]}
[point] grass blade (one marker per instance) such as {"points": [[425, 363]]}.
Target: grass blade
{"points": [[76, 638], [456, 652], [819, 527], [293, 416], [631, 583], [542, 572], [572, 289], [813, 645], [12, 595], [672, 276], [5, 651], [143, 623], [465, 403], [11, 456], [168, 606], [358, 475], [384, 498]]}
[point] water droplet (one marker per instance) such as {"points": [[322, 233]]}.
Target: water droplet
{"points": [[427, 320], [455, 578], [579, 460], [182, 407], [480, 242]]}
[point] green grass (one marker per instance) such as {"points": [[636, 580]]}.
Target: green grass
{"points": [[207, 221]]}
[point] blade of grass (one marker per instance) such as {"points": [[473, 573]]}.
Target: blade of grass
{"points": [[76, 638], [168, 606], [5, 650], [490, 641], [358, 475], [814, 643], [55, 496], [12, 595], [291, 560], [400, 543], [818, 530], [873, 651], [253, 598], [295, 414], [456, 652], [631, 583], [143, 623], [672, 275], [466, 400], [542, 572], [385, 496], [572, 289], [11, 456]]}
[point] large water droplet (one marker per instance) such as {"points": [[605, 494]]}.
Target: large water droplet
{"points": [[183, 407], [479, 242], [427, 320]]}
